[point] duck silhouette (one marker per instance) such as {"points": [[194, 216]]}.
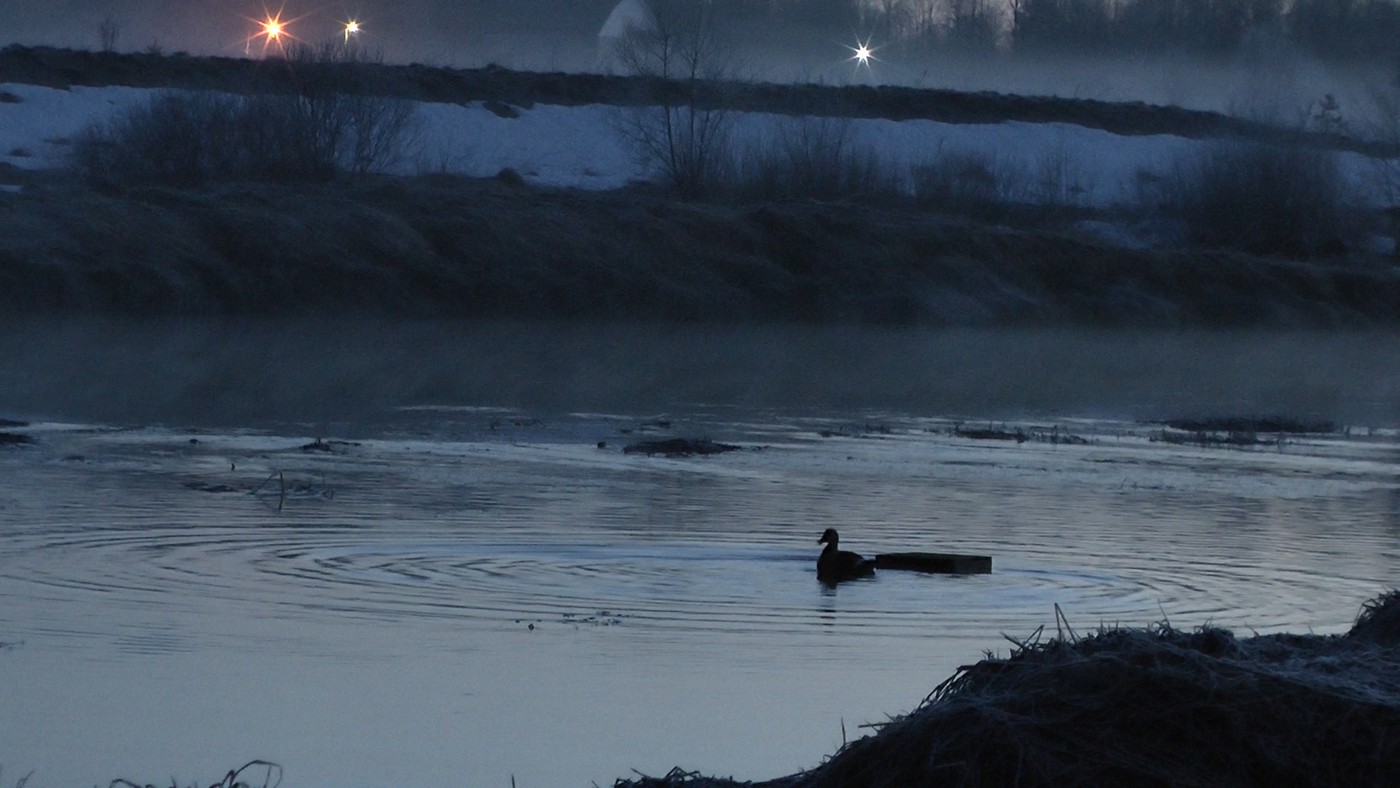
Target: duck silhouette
{"points": [[835, 565]]}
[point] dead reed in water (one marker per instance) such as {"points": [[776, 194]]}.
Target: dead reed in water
{"points": [[1145, 707], [242, 777]]}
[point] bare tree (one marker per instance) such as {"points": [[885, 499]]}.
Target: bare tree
{"points": [[344, 115], [1385, 128], [972, 25], [894, 18], [680, 132], [816, 157], [1287, 199], [107, 31]]}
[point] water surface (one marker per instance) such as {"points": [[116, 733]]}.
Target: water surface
{"points": [[459, 592]]}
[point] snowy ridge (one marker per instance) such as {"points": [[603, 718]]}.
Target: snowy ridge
{"points": [[582, 147]]}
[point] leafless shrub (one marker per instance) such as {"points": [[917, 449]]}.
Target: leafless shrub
{"points": [[1263, 198], [107, 32], [972, 183], [333, 119], [177, 138], [341, 110], [1059, 183], [818, 158], [1386, 128], [685, 142]]}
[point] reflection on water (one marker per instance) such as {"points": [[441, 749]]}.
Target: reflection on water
{"points": [[489, 594]]}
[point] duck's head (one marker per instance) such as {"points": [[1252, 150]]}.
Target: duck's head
{"points": [[829, 535]]}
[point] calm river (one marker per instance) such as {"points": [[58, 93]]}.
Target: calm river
{"points": [[461, 587]]}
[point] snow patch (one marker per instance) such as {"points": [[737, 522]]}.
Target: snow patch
{"points": [[583, 147]]}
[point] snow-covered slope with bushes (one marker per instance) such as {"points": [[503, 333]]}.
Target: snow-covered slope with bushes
{"points": [[584, 146]]}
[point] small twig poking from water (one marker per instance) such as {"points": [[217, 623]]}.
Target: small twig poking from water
{"points": [[677, 776], [231, 780], [234, 779], [281, 488], [299, 490]]}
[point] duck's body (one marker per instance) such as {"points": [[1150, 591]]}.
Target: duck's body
{"points": [[835, 565]]}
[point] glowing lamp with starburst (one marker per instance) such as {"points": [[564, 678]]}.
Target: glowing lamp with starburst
{"points": [[272, 30], [862, 54]]}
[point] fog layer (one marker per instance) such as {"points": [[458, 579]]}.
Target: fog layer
{"points": [[330, 374]]}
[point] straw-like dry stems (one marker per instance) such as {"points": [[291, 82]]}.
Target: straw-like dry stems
{"points": [[244, 776], [1145, 707]]}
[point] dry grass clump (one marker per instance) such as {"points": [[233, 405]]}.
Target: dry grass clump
{"points": [[1288, 200], [334, 119], [1379, 621], [1147, 707], [253, 774]]}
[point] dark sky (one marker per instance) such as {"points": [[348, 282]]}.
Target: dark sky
{"points": [[453, 32]]}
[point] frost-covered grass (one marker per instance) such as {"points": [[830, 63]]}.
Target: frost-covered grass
{"points": [[1267, 199], [449, 245], [1154, 706]]}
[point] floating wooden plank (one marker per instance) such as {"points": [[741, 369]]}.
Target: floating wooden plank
{"points": [[936, 563], [678, 447]]}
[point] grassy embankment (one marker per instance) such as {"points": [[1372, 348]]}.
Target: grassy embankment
{"points": [[436, 245], [458, 247], [1142, 707]]}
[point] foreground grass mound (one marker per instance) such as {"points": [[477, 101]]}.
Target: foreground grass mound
{"points": [[1145, 707]]}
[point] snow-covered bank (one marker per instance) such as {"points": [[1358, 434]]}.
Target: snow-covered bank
{"points": [[582, 146]]}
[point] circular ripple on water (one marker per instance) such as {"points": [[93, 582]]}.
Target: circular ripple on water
{"points": [[686, 586], [1105, 555]]}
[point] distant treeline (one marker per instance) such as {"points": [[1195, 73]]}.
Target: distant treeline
{"points": [[1332, 29]]}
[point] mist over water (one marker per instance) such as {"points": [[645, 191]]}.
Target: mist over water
{"points": [[336, 372]]}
